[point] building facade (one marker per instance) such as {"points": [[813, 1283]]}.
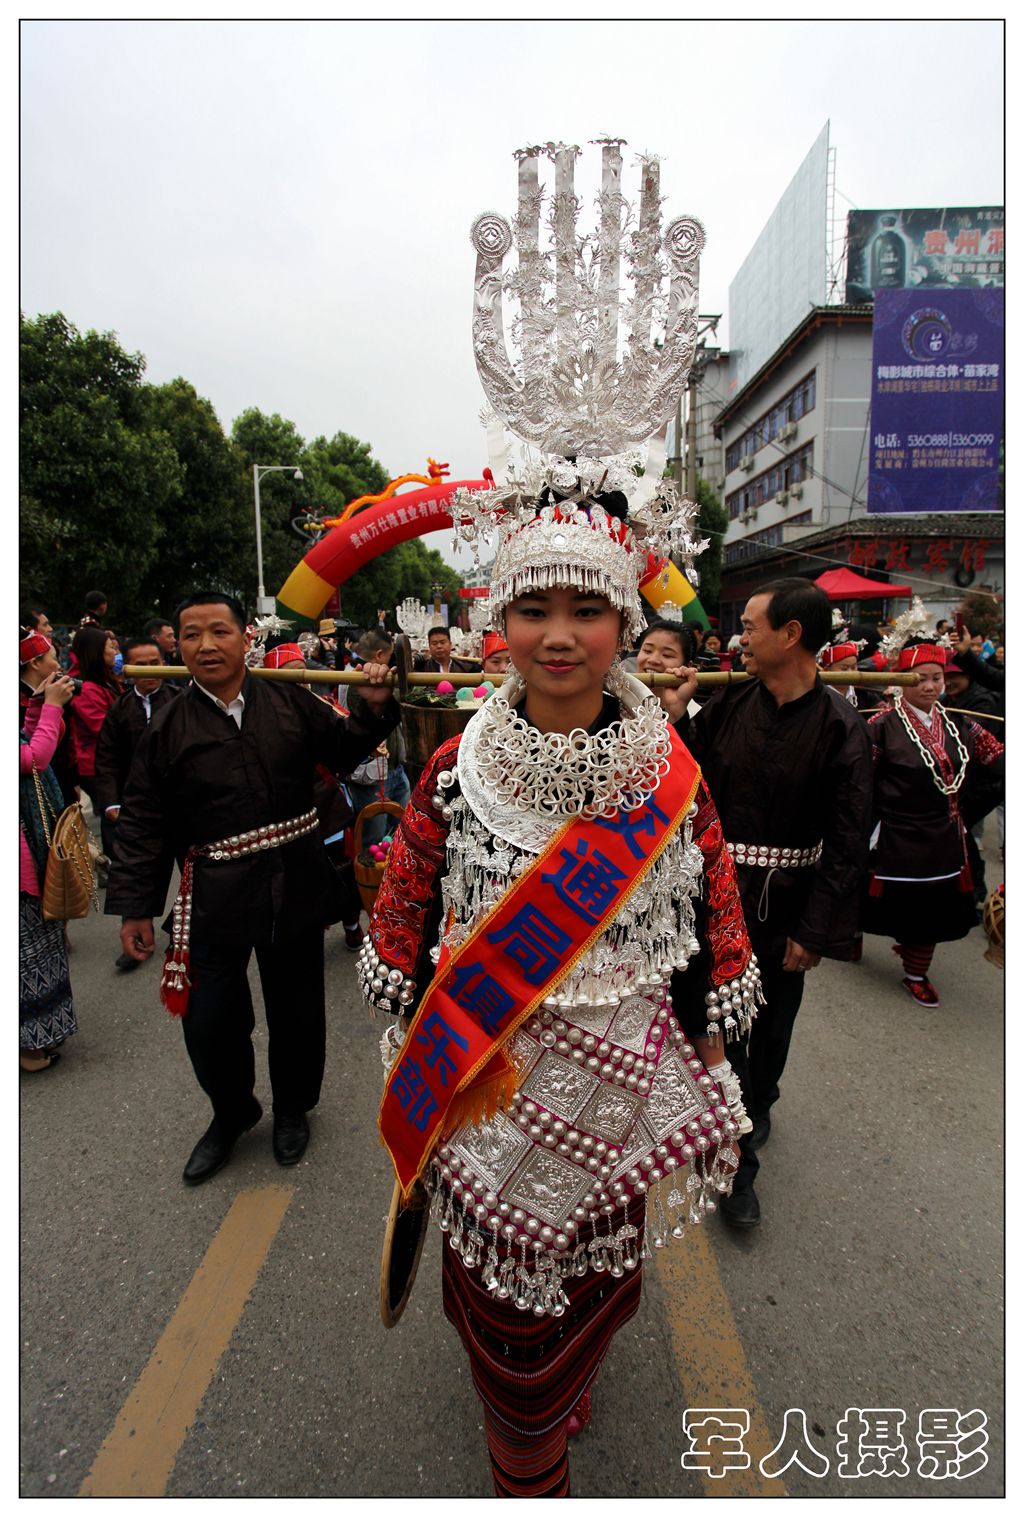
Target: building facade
{"points": [[794, 449]]}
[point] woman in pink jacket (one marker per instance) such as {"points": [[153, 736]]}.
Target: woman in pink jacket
{"points": [[96, 651], [46, 1009]]}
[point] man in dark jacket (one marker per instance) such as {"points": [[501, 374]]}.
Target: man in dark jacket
{"points": [[222, 781], [789, 768], [440, 659], [982, 791], [122, 728]]}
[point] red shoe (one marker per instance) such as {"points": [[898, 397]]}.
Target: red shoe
{"points": [[923, 991], [579, 1416], [353, 938]]}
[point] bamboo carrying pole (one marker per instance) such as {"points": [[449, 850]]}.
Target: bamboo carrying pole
{"points": [[296, 676]]}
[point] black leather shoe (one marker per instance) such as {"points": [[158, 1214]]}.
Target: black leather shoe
{"points": [[762, 1131], [126, 963], [741, 1210], [291, 1135], [213, 1150]]}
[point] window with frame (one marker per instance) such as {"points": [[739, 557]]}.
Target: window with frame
{"points": [[794, 469], [756, 542], [796, 403]]}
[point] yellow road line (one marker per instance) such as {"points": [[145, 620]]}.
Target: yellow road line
{"points": [[712, 1365], [138, 1454]]}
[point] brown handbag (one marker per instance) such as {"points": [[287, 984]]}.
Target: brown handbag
{"points": [[69, 886]]}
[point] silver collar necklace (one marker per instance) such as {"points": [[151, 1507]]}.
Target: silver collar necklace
{"points": [[524, 784]]}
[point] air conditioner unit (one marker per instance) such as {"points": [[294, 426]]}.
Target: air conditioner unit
{"points": [[747, 461], [788, 431], [796, 491], [781, 497], [720, 483], [744, 516]]}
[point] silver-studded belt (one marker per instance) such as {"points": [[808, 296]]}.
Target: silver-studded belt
{"points": [[175, 981], [760, 855], [273, 835]]}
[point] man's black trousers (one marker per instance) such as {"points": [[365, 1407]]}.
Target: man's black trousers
{"points": [[219, 1023], [760, 1062]]}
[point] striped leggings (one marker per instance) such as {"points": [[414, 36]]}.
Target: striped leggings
{"points": [[917, 958], [527, 1466]]}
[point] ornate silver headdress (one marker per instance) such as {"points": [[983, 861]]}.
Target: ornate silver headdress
{"points": [[912, 623], [263, 628], [416, 619], [586, 380]]}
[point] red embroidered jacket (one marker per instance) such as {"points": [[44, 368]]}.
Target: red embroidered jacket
{"points": [[406, 919]]}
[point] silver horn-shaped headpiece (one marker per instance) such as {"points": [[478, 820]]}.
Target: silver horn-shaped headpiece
{"points": [[590, 369]]}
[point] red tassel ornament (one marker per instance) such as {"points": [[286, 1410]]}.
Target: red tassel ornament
{"points": [[175, 982]]}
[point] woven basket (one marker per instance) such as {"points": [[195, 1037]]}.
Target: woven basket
{"points": [[993, 919], [367, 871]]}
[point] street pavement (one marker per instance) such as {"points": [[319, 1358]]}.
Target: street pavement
{"points": [[875, 1280]]}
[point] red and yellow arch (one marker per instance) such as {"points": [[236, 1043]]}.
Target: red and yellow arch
{"points": [[392, 519]]}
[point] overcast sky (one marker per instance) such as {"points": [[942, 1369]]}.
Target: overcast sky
{"points": [[279, 211]]}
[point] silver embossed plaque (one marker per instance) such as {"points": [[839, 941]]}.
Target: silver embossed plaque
{"points": [[639, 1143], [491, 1149], [591, 1018], [632, 1023], [560, 1085], [610, 1113], [549, 1186], [675, 1097], [523, 1050]]}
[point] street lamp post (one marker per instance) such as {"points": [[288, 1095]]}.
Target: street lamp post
{"points": [[265, 603]]}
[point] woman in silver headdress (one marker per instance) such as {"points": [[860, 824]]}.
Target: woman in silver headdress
{"points": [[517, 853], [561, 866]]}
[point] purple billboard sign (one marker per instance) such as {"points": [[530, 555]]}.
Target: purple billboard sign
{"points": [[936, 401]]}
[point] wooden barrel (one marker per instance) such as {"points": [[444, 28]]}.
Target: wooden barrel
{"points": [[426, 728], [367, 871]]}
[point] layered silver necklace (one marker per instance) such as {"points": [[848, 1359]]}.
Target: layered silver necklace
{"points": [[940, 716], [524, 784], [517, 793]]}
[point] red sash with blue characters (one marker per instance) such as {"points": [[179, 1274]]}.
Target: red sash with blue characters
{"points": [[451, 1068]]}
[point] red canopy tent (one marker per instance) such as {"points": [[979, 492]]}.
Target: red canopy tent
{"points": [[843, 584]]}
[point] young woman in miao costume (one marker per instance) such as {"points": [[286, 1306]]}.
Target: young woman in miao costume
{"points": [[558, 939]]}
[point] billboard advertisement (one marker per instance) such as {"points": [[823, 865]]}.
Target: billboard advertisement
{"points": [[789, 260], [937, 401], [911, 250]]}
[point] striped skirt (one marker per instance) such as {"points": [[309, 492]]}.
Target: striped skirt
{"points": [[530, 1372]]}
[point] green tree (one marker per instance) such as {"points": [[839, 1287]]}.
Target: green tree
{"points": [[335, 471], [96, 481], [209, 537], [982, 613], [713, 521], [263, 439], [341, 469]]}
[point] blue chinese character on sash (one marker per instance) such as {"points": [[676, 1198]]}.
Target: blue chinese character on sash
{"points": [[486, 1001], [628, 823], [413, 1094], [533, 942], [437, 1037], [588, 882]]}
